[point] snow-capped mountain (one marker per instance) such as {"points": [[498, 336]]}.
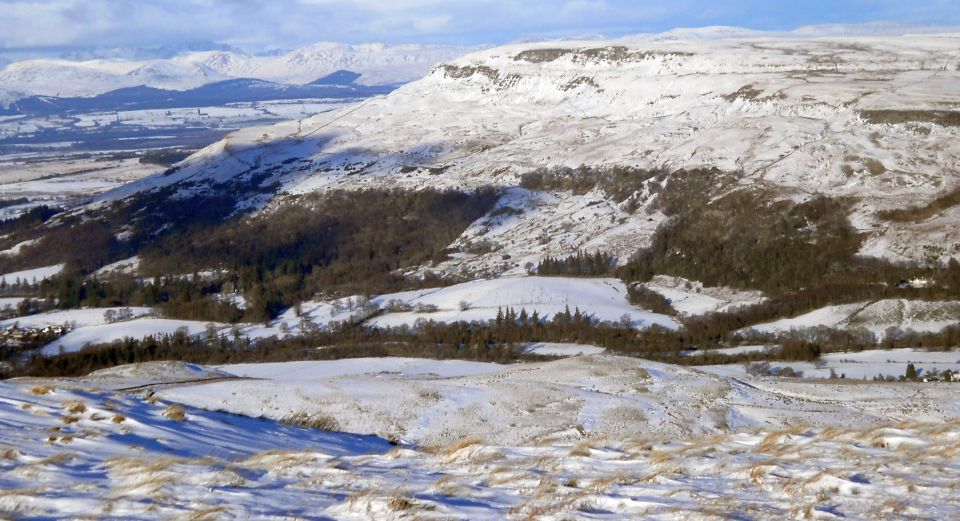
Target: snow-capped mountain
{"points": [[378, 64], [872, 119]]}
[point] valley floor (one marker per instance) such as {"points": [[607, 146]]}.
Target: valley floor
{"points": [[587, 437]]}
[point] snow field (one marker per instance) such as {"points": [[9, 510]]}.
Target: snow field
{"points": [[864, 365], [480, 300], [603, 299], [440, 402], [137, 328], [692, 298], [71, 450], [876, 316], [32, 275]]}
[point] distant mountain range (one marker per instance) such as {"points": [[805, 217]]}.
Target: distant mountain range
{"points": [[376, 64], [337, 85]]}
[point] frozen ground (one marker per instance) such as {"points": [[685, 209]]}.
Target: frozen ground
{"points": [[70, 448]]}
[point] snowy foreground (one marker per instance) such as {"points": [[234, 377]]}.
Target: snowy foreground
{"points": [[640, 439]]}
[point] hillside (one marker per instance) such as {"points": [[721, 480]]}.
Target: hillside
{"points": [[869, 119]]}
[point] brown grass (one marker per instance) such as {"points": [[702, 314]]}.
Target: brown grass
{"points": [[208, 513], [399, 503], [75, 407], [118, 418], [317, 421], [10, 454], [57, 459], [457, 446], [581, 450], [40, 390], [175, 413]]}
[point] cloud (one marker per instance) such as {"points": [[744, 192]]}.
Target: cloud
{"points": [[292, 23]]}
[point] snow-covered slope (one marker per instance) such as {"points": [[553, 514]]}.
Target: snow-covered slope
{"points": [[69, 449], [439, 402], [877, 317], [377, 64], [873, 118], [604, 300]]}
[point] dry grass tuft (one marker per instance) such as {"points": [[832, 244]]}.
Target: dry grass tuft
{"points": [[70, 419], [457, 446], [175, 413], [208, 514], [118, 418], [57, 459], [581, 450], [317, 421], [75, 407], [658, 457], [282, 459], [10, 454], [399, 503], [40, 390]]}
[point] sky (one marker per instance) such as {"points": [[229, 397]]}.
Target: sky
{"points": [[257, 25]]}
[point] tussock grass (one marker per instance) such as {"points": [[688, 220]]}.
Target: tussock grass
{"points": [[118, 418], [581, 450], [457, 446], [317, 421], [175, 413], [207, 514], [10, 454], [659, 457], [59, 458], [133, 465], [398, 503], [429, 395], [75, 406], [41, 390], [281, 459]]}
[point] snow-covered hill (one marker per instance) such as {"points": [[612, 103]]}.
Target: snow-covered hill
{"points": [[377, 63], [870, 118]]}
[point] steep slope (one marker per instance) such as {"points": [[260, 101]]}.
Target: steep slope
{"points": [[873, 119]]}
